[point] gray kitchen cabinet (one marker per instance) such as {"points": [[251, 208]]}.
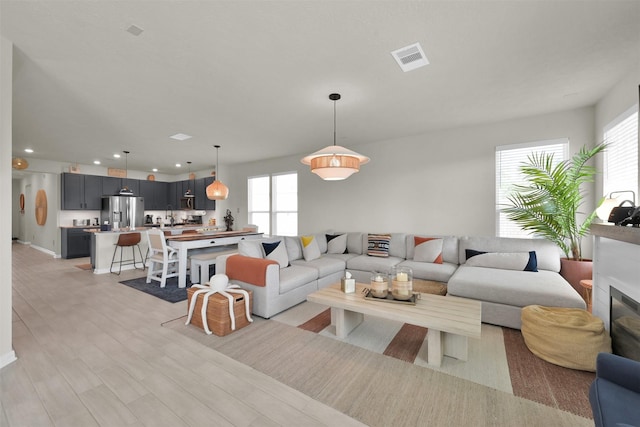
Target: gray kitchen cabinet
{"points": [[81, 192], [201, 195], [155, 194], [76, 243], [205, 203], [111, 185]]}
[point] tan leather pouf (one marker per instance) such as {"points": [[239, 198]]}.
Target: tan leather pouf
{"points": [[569, 337]]}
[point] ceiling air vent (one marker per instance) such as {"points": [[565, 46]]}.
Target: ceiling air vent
{"points": [[410, 57]]}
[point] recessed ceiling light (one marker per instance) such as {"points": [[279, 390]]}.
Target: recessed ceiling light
{"points": [[178, 165], [28, 150], [135, 30], [96, 162], [410, 57], [117, 156], [154, 170], [180, 136]]}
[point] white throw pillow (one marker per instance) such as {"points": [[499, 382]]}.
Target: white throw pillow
{"points": [[428, 250], [336, 244], [310, 248], [520, 261], [250, 248], [276, 251]]}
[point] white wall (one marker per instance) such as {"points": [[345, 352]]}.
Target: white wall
{"points": [[45, 236], [439, 182], [7, 355]]}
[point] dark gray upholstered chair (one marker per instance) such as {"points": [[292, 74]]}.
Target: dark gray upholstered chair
{"points": [[615, 393]]}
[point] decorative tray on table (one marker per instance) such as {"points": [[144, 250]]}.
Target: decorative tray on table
{"points": [[390, 298]]}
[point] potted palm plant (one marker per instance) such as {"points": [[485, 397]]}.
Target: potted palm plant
{"points": [[548, 205]]}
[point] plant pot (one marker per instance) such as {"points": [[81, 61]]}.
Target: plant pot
{"points": [[573, 271]]}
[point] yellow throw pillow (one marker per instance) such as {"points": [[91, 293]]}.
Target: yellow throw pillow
{"points": [[310, 248]]}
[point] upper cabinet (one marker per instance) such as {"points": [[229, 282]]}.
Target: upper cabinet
{"points": [[84, 192], [155, 194], [81, 192], [202, 202]]}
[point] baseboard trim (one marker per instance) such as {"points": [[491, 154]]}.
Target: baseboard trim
{"points": [[45, 250], [7, 358]]}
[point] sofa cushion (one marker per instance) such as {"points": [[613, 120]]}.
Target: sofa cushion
{"points": [[325, 265], [516, 288], [372, 263], [336, 243], [296, 276], [427, 249], [520, 261], [431, 271], [343, 257], [378, 245], [547, 253], [276, 251], [310, 249], [251, 248]]}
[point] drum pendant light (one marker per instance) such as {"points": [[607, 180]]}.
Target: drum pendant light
{"points": [[335, 163], [217, 190]]}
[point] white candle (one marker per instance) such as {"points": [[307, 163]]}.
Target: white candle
{"points": [[402, 277], [378, 279]]}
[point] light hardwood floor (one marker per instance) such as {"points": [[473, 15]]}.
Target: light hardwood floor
{"points": [[92, 352]]}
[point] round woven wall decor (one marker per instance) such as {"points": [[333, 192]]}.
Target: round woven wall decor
{"points": [[41, 207], [21, 201]]}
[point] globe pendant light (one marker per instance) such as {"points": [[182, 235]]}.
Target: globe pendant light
{"points": [[335, 163], [217, 190]]}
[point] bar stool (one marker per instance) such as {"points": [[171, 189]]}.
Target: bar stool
{"points": [[127, 240]]}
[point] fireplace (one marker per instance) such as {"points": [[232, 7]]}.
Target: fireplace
{"points": [[625, 325]]}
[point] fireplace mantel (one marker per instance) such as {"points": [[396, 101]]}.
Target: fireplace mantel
{"points": [[623, 234], [616, 263]]}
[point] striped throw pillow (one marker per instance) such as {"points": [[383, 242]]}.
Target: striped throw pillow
{"points": [[378, 245]]}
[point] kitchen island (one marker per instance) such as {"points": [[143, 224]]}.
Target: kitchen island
{"points": [[184, 243], [103, 244]]}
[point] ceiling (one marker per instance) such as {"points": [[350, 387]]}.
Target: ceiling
{"points": [[254, 76]]}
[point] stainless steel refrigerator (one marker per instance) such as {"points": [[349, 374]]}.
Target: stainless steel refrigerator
{"points": [[122, 211]]}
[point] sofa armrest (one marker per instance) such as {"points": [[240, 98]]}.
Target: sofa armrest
{"points": [[619, 370], [255, 271]]}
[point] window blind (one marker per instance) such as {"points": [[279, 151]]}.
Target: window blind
{"points": [[620, 171], [509, 158]]}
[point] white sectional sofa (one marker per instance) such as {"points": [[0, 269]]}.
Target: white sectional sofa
{"points": [[287, 279]]}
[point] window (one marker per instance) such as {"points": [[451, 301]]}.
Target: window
{"points": [[273, 203], [620, 171], [509, 158]]}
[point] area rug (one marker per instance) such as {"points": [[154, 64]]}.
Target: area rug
{"points": [[171, 292], [84, 266], [375, 389], [530, 377]]}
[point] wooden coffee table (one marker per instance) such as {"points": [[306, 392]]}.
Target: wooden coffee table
{"points": [[450, 320]]}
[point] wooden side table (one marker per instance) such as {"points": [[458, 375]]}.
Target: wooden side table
{"points": [[587, 285]]}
